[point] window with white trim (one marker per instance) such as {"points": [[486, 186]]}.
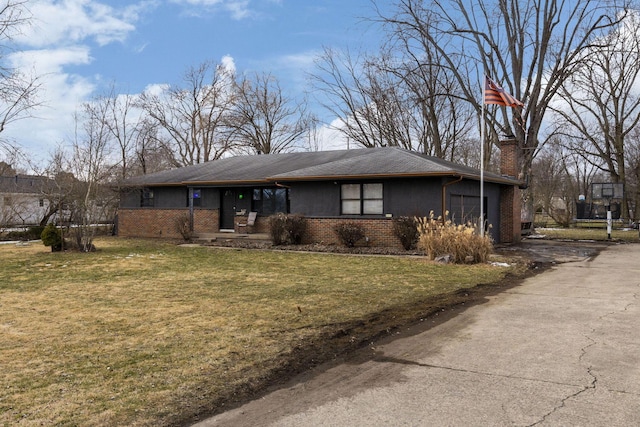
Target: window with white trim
{"points": [[362, 199]]}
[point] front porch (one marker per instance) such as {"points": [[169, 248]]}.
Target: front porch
{"points": [[231, 236]]}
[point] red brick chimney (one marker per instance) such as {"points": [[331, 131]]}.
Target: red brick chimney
{"points": [[510, 201]]}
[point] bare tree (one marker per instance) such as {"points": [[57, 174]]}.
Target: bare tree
{"points": [[91, 164], [264, 120], [18, 90], [194, 116], [559, 177], [396, 98], [602, 102], [122, 122], [531, 47], [632, 184], [440, 113], [343, 82], [61, 191], [151, 152], [6, 169]]}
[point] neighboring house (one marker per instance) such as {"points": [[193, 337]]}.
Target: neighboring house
{"points": [[22, 200], [371, 186]]}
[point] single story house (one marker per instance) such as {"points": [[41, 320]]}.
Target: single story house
{"points": [[371, 186]]}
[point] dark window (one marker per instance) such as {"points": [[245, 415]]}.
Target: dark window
{"points": [[197, 197], [146, 198], [464, 209], [41, 202], [267, 201], [362, 199]]}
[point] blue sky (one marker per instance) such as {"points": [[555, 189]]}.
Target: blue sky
{"points": [[82, 46]]}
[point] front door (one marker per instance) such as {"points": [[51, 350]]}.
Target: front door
{"points": [[227, 209]]}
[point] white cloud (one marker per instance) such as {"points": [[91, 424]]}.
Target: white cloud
{"points": [[46, 61], [239, 9], [156, 89], [60, 96], [228, 63], [330, 138], [74, 21], [60, 36]]}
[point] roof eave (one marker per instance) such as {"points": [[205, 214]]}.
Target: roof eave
{"points": [[493, 179]]}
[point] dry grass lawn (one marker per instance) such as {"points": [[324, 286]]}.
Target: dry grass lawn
{"points": [[150, 333], [598, 234]]}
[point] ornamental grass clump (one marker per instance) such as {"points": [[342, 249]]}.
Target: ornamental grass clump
{"points": [[462, 242]]}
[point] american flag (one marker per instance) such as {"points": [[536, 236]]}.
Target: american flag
{"points": [[494, 94]]}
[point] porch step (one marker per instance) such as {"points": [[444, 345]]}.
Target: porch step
{"points": [[212, 237]]}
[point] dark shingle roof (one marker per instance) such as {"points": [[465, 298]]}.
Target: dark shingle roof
{"points": [[385, 162], [25, 184]]}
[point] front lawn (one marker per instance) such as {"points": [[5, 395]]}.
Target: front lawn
{"points": [[149, 333], [597, 234]]}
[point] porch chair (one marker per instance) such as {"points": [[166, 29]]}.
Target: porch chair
{"points": [[249, 223]]}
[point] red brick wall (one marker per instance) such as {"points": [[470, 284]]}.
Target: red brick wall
{"points": [[510, 215], [149, 222], [510, 202], [509, 159], [378, 231], [206, 220], [161, 223]]}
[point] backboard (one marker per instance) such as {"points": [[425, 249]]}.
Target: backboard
{"points": [[607, 190]]}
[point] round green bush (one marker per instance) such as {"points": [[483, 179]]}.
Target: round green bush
{"points": [[51, 236]]}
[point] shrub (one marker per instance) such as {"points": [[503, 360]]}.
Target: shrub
{"points": [[463, 242], [277, 229], [31, 233], [405, 229], [287, 229], [349, 233], [183, 226], [51, 236], [82, 238], [296, 227]]}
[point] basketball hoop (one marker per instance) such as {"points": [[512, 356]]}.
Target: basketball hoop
{"points": [[607, 191]]}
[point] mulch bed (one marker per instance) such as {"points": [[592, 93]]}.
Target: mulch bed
{"points": [[315, 247]]}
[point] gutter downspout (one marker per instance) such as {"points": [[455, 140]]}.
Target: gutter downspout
{"points": [[444, 195]]}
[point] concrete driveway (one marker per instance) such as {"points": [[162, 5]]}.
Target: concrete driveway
{"points": [[562, 349]]}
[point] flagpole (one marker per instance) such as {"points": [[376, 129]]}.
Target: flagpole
{"points": [[482, 136]]}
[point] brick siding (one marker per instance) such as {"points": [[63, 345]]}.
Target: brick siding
{"points": [[510, 215], [206, 220], [161, 223], [149, 222], [509, 164], [379, 232], [510, 201]]}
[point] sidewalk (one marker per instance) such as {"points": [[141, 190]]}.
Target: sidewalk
{"points": [[563, 348]]}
